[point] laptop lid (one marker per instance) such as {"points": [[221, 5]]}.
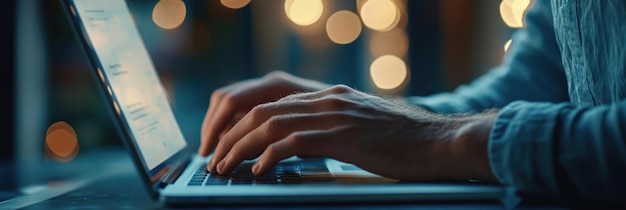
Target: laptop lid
{"points": [[126, 74]]}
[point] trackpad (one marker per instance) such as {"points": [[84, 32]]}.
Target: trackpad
{"points": [[347, 172]]}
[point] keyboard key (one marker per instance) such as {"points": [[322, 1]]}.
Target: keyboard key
{"points": [[290, 181], [285, 173], [195, 183], [263, 182], [216, 182], [241, 182]]}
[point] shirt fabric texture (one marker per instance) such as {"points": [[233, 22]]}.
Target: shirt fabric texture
{"points": [[561, 129]]}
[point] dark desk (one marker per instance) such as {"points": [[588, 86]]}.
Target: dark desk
{"points": [[109, 181]]}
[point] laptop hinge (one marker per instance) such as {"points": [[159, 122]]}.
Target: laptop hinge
{"points": [[173, 174]]}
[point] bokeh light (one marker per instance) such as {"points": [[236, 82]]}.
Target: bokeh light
{"points": [[380, 15], [101, 75], [512, 12], [388, 72], [169, 14], [304, 12], [61, 142], [359, 5], [117, 107], [393, 42], [507, 16], [235, 4], [343, 27], [507, 45], [519, 8]]}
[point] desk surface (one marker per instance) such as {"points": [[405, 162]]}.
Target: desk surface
{"points": [[117, 186]]}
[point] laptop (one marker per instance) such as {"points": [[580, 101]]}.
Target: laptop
{"points": [[175, 175]]}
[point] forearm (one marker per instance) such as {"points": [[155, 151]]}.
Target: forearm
{"points": [[469, 146], [461, 148]]}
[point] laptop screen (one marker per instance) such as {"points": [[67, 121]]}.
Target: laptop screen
{"points": [[132, 82]]}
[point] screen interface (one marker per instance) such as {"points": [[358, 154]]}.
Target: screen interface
{"points": [[128, 71]]}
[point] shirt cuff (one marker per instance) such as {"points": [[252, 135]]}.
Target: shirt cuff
{"points": [[521, 146]]}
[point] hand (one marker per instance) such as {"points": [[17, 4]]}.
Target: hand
{"points": [[230, 103], [375, 134]]}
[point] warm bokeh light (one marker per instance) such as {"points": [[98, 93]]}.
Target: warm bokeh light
{"points": [[394, 42], [101, 75], [169, 14], [388, 72], [343, 27], [519, 8], [507, 16], [380, 15], [109, 90], [304, 12], [235, 4], [61, 141], [512, 12], [117, 108], [359, 4], [507, 45]]}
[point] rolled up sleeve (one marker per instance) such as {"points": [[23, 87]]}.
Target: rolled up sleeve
{"points": [[561, 151]]}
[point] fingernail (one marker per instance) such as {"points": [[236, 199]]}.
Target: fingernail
{"points": [[255, 168], [211, 164], [220, 166]]}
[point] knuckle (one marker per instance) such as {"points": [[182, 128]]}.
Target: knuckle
{"points": [[218, 94], [236, 148], [340, 89], [275, 76], [273, 124], [296, 139], [291, 97], [258, 111], [271, 151], [229, 100]]}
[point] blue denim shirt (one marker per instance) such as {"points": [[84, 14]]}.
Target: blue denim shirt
{"points": [[561, 130]]}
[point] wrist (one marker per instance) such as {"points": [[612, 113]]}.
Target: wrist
{"points": [[469, 147]]}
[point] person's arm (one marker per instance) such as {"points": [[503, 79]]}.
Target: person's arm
{"points": [[532, 70]]}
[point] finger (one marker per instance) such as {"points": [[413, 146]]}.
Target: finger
{"points": [[254, 119], [261, 113], [244, 95], [306, 143], [232, 123], [222, 114], [274, 129], [250, 121], [254, 156], [204, 135], [214, 120]]}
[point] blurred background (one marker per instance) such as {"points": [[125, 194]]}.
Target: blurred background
{"points": [[389, 47]]}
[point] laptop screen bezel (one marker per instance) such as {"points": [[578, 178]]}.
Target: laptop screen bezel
{"points": [[151, 178]]}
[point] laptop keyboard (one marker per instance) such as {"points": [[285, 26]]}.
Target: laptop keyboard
{"points": [[283, 173]]}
